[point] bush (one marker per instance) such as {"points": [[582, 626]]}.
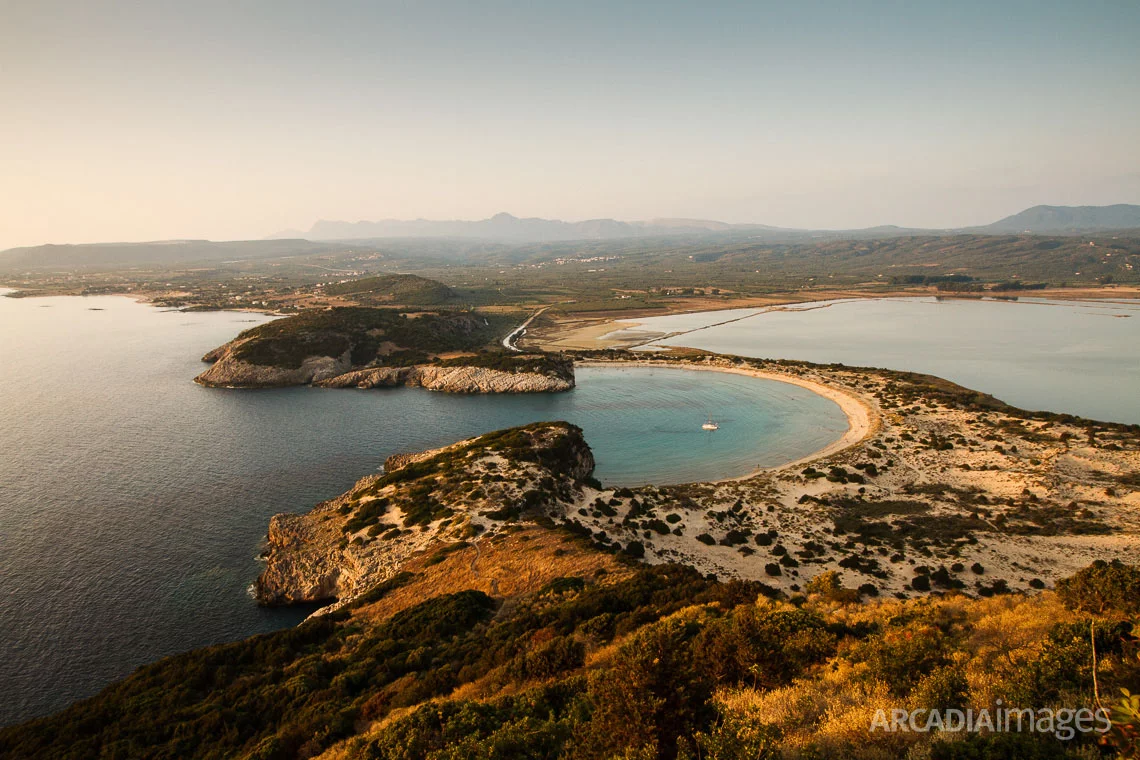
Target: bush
{"points": [[552, 658], [942, 689], [738, 735], [1103, 588], [762, 648], [902, 655], [649, 698], [829, 586]]}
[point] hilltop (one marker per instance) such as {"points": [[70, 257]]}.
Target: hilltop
{"points": [[366, 347], [1069, 219], [406, 289]]}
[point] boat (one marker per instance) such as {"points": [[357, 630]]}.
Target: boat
{"points": [[710, 425]]}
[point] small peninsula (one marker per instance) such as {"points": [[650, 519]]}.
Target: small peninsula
{"points": [[365, 347]]}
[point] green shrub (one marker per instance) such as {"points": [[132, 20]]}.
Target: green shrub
{"points": [[650, 697], [1103, 588]]}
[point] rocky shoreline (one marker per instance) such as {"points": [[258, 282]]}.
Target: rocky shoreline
{"points": [[934, 487], [454, 494], [328, 372]]}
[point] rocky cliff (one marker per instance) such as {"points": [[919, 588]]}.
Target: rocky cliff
{"points": [[374, 347], [509, 375], [452, 379], [229, 371], [470, 489]]}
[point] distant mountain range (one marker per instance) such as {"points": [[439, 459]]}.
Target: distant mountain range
{"points": [[507, 228], [1068, 219]]}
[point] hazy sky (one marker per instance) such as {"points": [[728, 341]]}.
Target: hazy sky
{"points": [[149, 120]]}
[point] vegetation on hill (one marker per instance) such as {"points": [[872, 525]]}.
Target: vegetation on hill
{"points": [[444, 478], [501, 361], [373, 337], [657, 662], [393, 288]]}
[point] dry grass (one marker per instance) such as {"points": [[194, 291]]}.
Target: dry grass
{"points": [[505, 566]]}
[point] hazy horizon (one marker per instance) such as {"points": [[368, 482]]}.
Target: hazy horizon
{"points": [[191, 121]]}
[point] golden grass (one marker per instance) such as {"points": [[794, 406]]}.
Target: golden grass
{"points": [[505, 567]]}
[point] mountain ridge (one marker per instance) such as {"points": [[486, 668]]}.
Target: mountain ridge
{"points": [[507, 227], [503, 226], [1060, 219], [328, 236]]}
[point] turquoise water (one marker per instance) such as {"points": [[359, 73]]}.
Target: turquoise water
{"points": [[1079, 357], [133, 502]]}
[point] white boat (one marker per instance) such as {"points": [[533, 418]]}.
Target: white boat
{"points": [[710, 425]]}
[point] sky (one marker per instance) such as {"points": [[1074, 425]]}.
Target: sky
{"points": [[236, 120]]}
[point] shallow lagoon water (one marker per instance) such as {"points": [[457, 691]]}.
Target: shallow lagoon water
{"points": [[1079, 357], [133, 502]]}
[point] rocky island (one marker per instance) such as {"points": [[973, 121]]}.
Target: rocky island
{"points": [[363, 347]]}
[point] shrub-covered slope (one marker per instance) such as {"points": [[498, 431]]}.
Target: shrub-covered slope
{"points": [[408, 289], [369, 347], [610, 662]]}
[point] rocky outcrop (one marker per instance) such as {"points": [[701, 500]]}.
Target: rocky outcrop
{"points": [[477, 487], [373, 377], [302, 569], [231, 372], [484, 380], [327, 372]]}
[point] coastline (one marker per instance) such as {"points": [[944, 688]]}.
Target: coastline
{"points": [[863, 419]]}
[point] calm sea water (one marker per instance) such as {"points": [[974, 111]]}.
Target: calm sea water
{"points": [[133, 502], [1077, 357]]}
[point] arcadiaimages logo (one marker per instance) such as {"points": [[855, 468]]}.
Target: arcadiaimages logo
{"points": [[1063, 723]]}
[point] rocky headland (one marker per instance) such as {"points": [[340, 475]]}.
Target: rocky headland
{"points": [[374, 348], [469, 490]]}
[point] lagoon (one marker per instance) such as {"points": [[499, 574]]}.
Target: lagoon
{"points": [[1079, 357]]}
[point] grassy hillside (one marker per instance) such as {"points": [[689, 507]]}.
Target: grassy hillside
{"points": [[393, 288], [583, 657], [388, 337]]}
